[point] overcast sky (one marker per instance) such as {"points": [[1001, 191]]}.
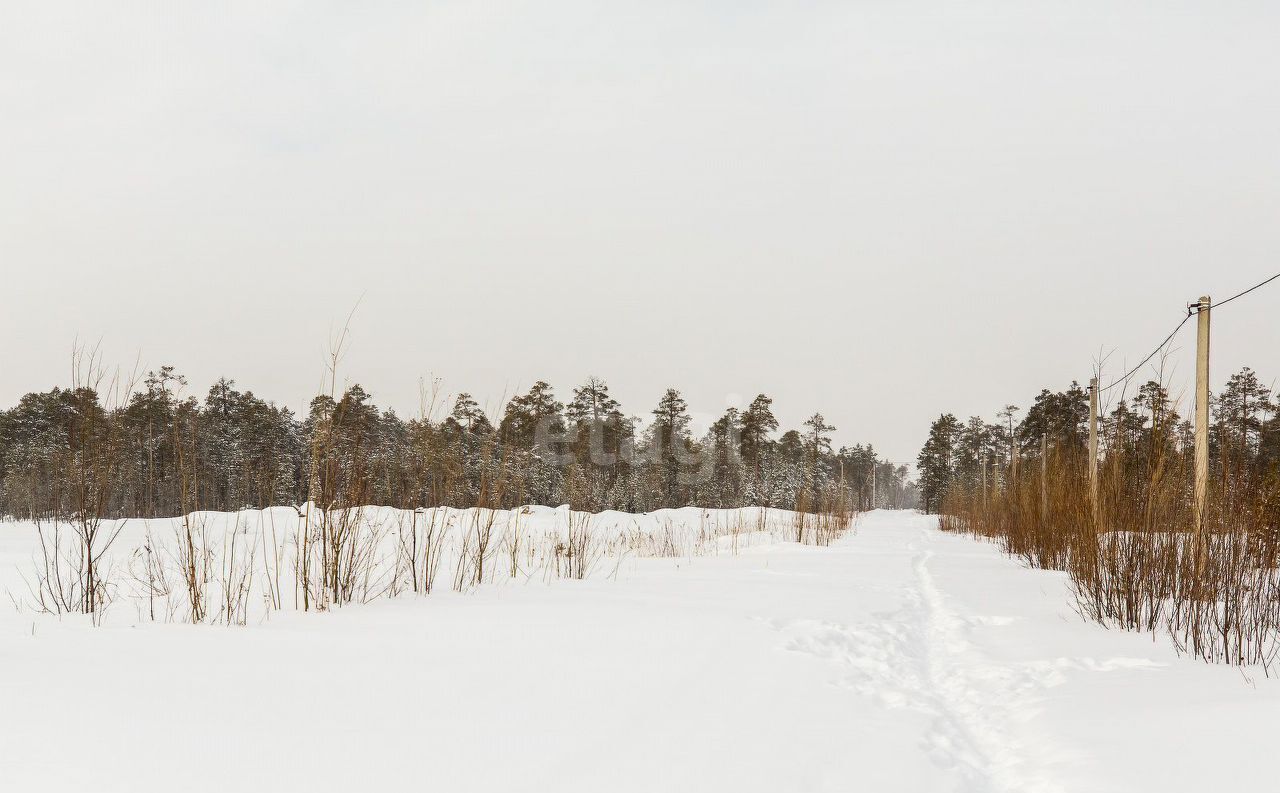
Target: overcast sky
{"points": [[878, 210]]}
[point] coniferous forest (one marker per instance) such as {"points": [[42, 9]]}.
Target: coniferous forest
{"points": [[160, 451], [1141, 435]]}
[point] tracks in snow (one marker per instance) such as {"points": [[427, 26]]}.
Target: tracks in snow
{"points": [[970, 729], [921, 657]]}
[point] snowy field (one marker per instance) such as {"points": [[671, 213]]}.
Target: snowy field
{"points": [[896, 659]]}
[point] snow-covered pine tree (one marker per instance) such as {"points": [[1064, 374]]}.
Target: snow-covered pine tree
{"points": [[935, 463], [671, 446]]}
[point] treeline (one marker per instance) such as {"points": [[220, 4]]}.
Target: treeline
{"points": [[159, 452], [1135, 434], [1138, 552]]}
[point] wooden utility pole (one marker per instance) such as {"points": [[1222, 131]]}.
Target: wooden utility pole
{"points": [[1202, 409], [1044, 477], [984, 480], [873, 484], [843, 485], [1093, 444], [1013, 452]]}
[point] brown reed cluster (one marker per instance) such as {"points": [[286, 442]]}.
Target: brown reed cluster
{"points": [[1136, 557]]}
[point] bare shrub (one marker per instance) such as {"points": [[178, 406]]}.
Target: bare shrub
{"points": [[578, 553], [194, 559], [463, 559], [433, 548], [236, 576], [272, 560], [151, 578], [513, 539], [1135, 558], [72, 573], [482, 520]]}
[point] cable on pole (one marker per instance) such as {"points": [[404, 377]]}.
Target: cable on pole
{"points": [[1153, 354], [1192, 310], [1247, 291]]}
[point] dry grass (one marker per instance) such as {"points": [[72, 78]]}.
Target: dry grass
{"points": [[1137, 562], [233, 568]]}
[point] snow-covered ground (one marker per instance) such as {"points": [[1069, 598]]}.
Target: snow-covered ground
{"points": [[896, 659]]}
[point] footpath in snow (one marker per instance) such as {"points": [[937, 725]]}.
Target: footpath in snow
{"points": [[897, 659]]}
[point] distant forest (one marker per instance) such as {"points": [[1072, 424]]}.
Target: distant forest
{"points": [[1142, 437], [160, 452]]}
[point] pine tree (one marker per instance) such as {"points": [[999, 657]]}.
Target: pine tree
{"points": [[1241, 410], [724, 479], [601, 439], [669, 437], [592, 403], [974, 445], [1063, 416], [757, 423], [534, 421], [467, 417], [935, 463], [222, 455], [150, 417], [817, 440], [1008, 435]]}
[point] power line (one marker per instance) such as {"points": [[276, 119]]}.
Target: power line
{"points": [[1247, 291], [1191, 310], [1160, 347]]}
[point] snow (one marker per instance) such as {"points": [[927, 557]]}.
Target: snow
{"points": [[897, 659]]}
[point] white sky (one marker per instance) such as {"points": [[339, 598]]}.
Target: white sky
{"points": [[878, 210]]}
